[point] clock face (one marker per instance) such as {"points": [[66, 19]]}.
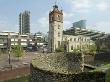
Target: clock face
{"points": [[58, 17]]}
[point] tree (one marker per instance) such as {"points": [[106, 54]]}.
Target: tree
{"points": [[92, 49], [18, 51], [76, 50]]}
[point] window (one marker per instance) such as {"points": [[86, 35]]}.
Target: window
{"points": [[58, 34], [78, 46], [85, 39], [75, 39], [58, 43], [82, 39], [72, 47], [58, 26], [70, 39]]}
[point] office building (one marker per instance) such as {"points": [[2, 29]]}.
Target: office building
{"points": [[80, 24]]}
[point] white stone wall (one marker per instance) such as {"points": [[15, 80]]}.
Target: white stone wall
{"points": [[55, 35], [76, 42]]}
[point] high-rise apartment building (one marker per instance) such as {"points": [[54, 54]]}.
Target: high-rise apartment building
{"points": [[24, 22]]}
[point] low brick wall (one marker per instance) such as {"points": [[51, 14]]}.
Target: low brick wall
{"points": [[38, 75], [14, 73], [89, 59]]}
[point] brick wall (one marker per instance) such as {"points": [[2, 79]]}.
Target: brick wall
{"points": [[14, 73], [89, 59]]}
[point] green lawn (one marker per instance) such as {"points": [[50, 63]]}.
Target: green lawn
{"points": [[108, 78], [103, 68], [22, 79]]}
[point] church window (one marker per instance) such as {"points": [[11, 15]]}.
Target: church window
{"points": [[58, 43], [72, 47], [78, 39], [75, 39], [58, 34], [85, 39], [70, 39], [58, 26], [78, 46], [82, 39]]}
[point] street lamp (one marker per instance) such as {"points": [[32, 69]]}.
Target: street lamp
{"points": [[51, 45], [19, 39], [80, 44], [9, 46], [68, 45]]}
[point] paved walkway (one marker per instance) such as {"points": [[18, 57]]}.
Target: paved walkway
{"points": [[25, 60]]}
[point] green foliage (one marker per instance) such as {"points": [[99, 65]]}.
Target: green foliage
{"points": [[17, 51], [22, 79], [59, 50], [108, 78], [76, 50], [92, 48]]}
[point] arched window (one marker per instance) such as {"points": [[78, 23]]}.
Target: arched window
{"points": [[72, 47], [70, 39], [58, 26], [58, 34], [74, 39]]}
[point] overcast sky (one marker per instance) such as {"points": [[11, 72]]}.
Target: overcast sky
{"points": [[96, 12]]}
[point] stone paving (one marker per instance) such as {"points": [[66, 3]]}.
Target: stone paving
{"points": [[25, 60]]}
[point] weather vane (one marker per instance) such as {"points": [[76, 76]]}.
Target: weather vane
{"points": [[56, 2]]}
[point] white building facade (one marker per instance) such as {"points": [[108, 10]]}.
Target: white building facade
{"points": [[14, 38]]}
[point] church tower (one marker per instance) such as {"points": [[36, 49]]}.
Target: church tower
{"points": [[55, 28]]}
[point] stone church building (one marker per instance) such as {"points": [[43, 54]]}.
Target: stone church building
{"points": [[57, 38]]}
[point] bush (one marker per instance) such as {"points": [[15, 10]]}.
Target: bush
{"points": [[17, 51], [59, 50]]}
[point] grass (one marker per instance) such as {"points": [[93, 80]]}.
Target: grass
{"points": [[108, 78], [102, 68], [22, 79]]}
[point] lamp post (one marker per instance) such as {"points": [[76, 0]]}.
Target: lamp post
{"points": [[19, 39], [51, 45], [80, 44], [68, 45], [9, 46]]}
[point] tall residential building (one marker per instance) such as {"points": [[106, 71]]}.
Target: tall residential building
{"points": [[24, 22], [80, 24]]}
